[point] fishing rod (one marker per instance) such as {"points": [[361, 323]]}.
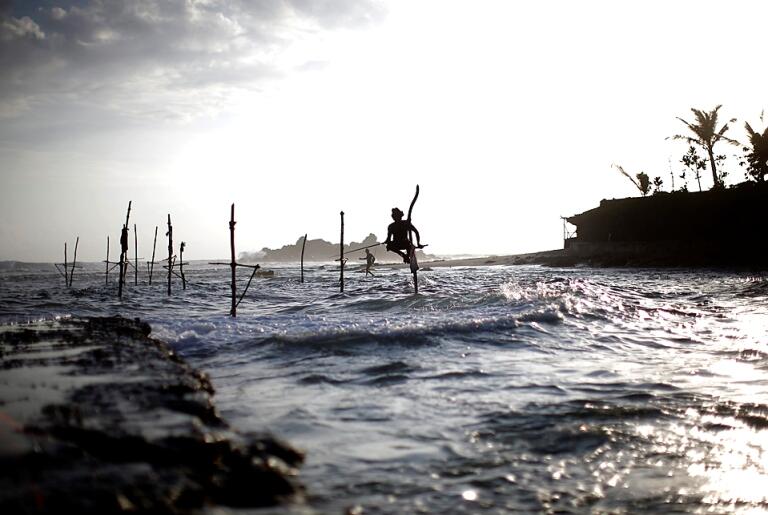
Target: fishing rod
{"points": [[362, 248]]}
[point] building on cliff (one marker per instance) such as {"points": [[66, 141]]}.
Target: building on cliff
{"points": [[709, 228]]}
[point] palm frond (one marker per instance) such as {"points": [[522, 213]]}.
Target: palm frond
{"points": [[701, 117], [714, 116], [688, 124], [685, 138], [625, 174], [729, 140], [755, 138], [719, 136]]}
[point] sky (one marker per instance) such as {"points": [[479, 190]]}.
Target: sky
{"points": [[508, 115]]}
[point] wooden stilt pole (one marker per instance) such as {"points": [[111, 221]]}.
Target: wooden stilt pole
{"points": [[170, 252], [233, 263], [152, 264], [74, 260], [123, 253], [341, 254], [135, 257], [127, 218], [106, 269], [181, 265], [303, 244], [66, 276], [412, 250], [120, 271]]}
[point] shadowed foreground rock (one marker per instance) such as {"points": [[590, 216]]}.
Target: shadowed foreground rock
{"points": [[97, 417]]}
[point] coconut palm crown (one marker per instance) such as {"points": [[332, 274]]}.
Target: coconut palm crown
{"points": [[706, 134], [758, 156]]}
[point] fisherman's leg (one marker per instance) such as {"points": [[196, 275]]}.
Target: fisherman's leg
{"points": [[399, 251], [414, 263]]}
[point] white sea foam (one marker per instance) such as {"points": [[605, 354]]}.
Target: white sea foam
{"points": [[596, 390]]}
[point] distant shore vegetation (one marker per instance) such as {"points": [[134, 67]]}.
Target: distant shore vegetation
{"points": [[706, 139]]}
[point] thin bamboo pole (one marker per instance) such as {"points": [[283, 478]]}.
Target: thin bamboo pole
{"points": [[152, 264], [127, 219], [341, 254], [135, 257], [351, 251], [181, 265], [74, 260], [233, 263], [120, 271], [66, 276], [60, 271], [565, 237], [303, 244], [170, 253], [123, 251], [106, 267], [253, 274]]}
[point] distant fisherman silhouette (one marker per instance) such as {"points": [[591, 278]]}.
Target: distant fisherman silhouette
{"points": [[124, 240], [397, 236], [369, 260]]}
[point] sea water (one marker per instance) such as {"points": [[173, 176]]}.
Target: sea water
{"points": [[494, 390]]}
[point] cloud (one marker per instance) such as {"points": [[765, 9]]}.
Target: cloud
{"points": [[180, 58]]}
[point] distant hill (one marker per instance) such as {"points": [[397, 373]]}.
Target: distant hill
{"points": [[319, 250]]}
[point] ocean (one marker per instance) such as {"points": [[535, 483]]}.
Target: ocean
{"points": [[494, 390]]}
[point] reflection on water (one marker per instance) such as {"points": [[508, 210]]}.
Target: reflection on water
{"points": [[495, 390]]}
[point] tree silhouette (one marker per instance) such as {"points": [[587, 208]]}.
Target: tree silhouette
{"points": [[706, 135], [694, 163], [757, 156], [658, 183], [641, 180]]}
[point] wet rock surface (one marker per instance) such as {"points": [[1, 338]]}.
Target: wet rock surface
{"points": [[98, 417]]}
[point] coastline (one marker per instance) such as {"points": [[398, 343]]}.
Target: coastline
{"points": [[549, 257], [614, 258], [662, 255]]}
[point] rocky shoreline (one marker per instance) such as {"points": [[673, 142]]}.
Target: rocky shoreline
{"points": [[96, 416]]}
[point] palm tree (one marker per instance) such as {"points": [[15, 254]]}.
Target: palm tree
{"points": [[757, 157], [641, 180], [706, 134]]}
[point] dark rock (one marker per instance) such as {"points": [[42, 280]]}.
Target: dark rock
{"points": [[97, 417]]}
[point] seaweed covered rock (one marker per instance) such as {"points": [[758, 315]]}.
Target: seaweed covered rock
{"points": [[98, 417]]}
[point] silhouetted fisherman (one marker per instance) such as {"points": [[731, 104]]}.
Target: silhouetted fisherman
{"points": [[124, 240], [369, 260], [123, 256], [397, 236]]}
